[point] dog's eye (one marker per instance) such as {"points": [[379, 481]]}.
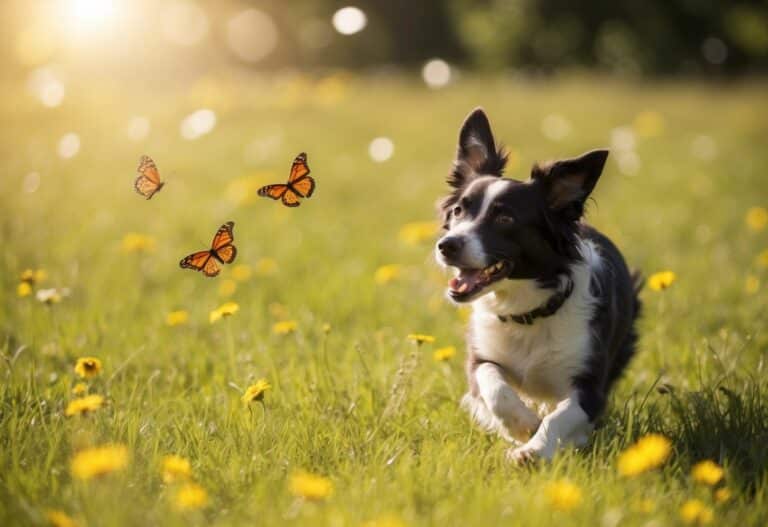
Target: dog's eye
{"points": [[505, 219], [456, 211]]}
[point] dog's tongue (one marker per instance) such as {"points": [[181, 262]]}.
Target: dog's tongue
{"points": [[466, 281]]}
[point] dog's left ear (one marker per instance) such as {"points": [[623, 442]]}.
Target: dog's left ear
{"points": [[569, 182], [477, 153]]}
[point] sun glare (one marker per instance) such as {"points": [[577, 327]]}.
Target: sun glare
{"points": [[90, 14]]}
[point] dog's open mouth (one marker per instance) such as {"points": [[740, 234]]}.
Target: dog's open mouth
{"points": [[469, 282]]}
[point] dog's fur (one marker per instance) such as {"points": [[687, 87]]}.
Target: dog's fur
{"points": [[530, 239]]}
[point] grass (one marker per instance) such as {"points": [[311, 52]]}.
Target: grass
{"points": [[361, 404]]}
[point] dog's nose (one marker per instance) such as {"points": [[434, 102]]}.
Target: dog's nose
{"points": [[450, 246]]}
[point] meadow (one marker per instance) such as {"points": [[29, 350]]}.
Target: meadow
{"points": [[360, 425]]}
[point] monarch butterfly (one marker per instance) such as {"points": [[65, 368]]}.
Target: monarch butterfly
{"points": [[300, 184], [221, 250], [148, 181]]}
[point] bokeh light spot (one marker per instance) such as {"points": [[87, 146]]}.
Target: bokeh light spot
{"points": [[31, 182], [86, 15], [69, 145], [704, 147], [198, 123], [349, 20], [436, 73], [555, 127], [381, 149], [184, 23], [138, 128], [46, 86], [252, 35]]}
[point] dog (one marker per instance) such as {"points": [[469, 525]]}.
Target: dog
{"points": [[554, 305]]}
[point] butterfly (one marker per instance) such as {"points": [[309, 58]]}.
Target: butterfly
{"points": [[221, 251], [300, 184], [148, 181]]}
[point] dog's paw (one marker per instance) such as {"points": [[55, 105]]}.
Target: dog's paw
{"points": [[523, 455]]}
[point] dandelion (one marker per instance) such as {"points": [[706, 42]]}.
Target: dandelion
{"points": [[225, 310], [443, 354], [756, 218], [87, 367], [387, 273], [762, 259], [650, 452], [661, 280], [284, 327], [326, 328], [83, 405], [227, 287], [417, 232], [99, 461], [256, 391], [723, 494], [649, 124], [190, 496], [310, 486], [80, 389], [24, 289], [707, 472], [51, 296], [696, 512], [563, 495], [242, 272], [751, 284], [59, 518], [177, 318], [137, 243], [265, 267], [33, 276], [175, 468], [420, 339]]}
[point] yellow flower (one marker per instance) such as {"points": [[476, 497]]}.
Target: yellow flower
{"points": [[138, 243], [756, 218], [80, 388], [707, 472], [225, 310], [24, 289], [762, 259], [255, 392], [99, 461], [284, 327], [387, 273], [177, 318], [191, 496], [445, 353], [327, 328], [420, 339], [33, 276], [661, 280], [649, 124], [241, 272], [176, 468], [87, 367], [696, 512], [385, 521], [751, 284], [723, 494], [563, 495], [649, 452], [310, 486], [59, 518], [89, 403], [265, 267], [418, 231], [227, 287]]}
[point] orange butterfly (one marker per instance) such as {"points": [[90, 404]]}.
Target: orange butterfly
{"points": [[300, 184], [221, 250], [148, 182]]}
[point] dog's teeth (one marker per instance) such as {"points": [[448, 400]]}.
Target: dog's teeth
{"points": [[462, 288], [498, 266]]}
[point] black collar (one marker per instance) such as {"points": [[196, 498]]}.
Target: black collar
{"points": [[547, 310]]}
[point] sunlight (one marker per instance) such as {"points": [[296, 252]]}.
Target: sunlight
{"points": [[90, 14]]}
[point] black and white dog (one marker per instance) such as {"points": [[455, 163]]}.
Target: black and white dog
{"points": [[554, 305]]}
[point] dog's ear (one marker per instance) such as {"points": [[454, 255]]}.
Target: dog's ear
{"points": [[568, 183], [477, 153]]}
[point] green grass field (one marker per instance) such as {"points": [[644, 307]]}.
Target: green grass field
{"points": [[360, 404]]}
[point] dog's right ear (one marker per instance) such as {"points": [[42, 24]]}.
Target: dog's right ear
{"points": [[477, 154]]}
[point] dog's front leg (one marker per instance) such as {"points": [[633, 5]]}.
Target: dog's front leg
{"points": [[517, 420], [567, 424]]}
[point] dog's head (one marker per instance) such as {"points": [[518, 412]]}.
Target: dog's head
{"points": [[502, 229]]}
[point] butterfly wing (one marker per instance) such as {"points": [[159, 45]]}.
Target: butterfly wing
{"points": [[148, 182], [299, 168], [304, 187], [290, 198], [201, 261], [273, 191], [222, 246]]}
